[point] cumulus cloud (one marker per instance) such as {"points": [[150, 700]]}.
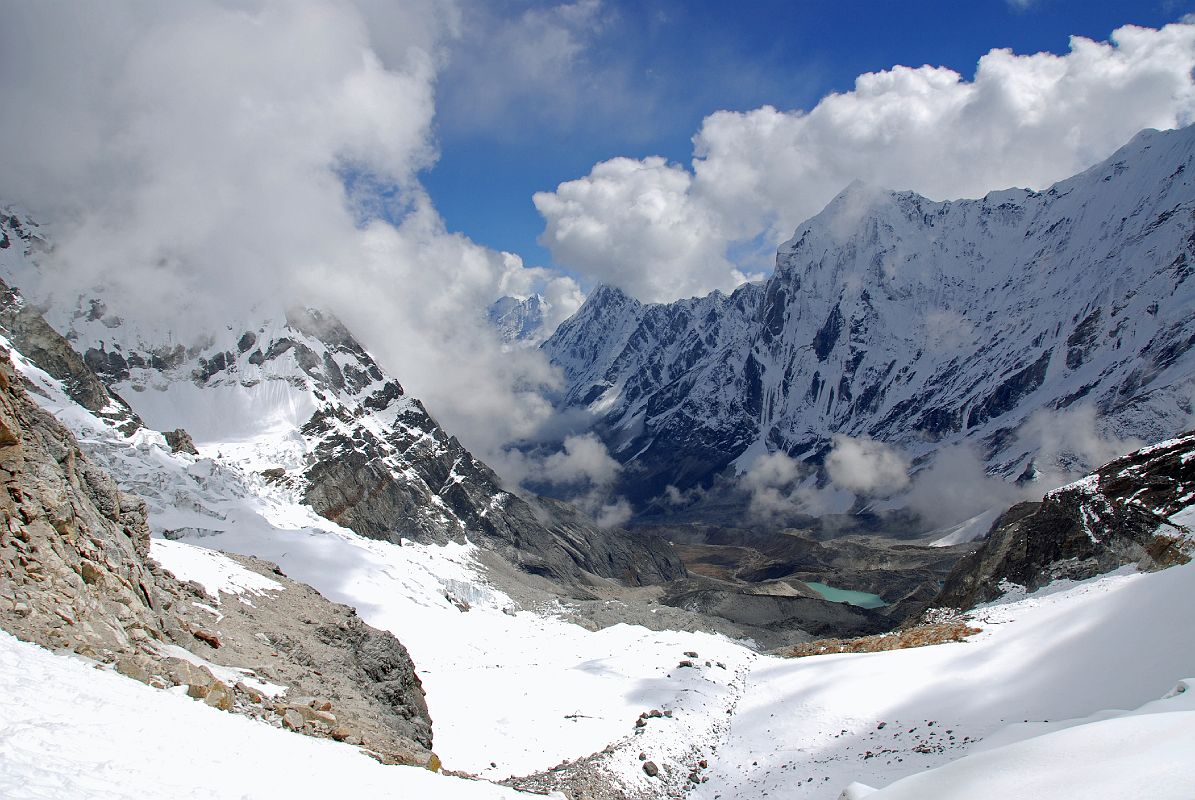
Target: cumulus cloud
{"points": [[193, 159], [779, 487], [956, 486], [638, 225], [662, 231], [866, 467]]}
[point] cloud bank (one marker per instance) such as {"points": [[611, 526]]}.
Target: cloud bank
{"points": [[662, 231], [211, 162]]}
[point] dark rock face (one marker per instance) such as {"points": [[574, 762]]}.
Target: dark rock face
{"points": [[1116, 516], [365, 483]]}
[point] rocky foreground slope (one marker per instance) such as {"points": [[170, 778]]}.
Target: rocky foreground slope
{"points": [[76, 575], [917, 323]]}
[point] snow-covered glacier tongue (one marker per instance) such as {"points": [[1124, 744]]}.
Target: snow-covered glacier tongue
{"points": [[1024, 325]]}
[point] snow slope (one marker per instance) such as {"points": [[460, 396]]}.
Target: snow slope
{"points": [[1142, 753], [70, 730], [542, 689], [515, 691], [1066, 652]]}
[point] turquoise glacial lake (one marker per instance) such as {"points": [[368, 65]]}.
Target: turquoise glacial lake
{"points": [[861, 599]]}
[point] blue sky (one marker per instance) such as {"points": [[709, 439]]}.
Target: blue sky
{"points": [[645, 74]]}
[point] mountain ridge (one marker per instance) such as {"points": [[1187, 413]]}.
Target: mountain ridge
{"points": [[918, 323]]}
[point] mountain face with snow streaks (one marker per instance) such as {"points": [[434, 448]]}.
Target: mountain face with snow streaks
{"points": [[914, 322], [518, 320]]}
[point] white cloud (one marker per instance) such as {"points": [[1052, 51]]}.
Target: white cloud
{"points": [[774, 483], [191, 156], [638, 225], [514, 74], [867, 467], [1070, 443], [584, 460], [1066, 444], [583, 469], [662, 231], [955, 487]]}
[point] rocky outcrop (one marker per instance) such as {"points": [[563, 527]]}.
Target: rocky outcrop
{"points": [[180, 441], [1115, 516], [34, 338], [76, 575], [73, 548], [344, 680]]}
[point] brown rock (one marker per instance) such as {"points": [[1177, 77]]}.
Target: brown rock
{"points": [[91, 574], [133, 667], [219, 696], [207, 637]]}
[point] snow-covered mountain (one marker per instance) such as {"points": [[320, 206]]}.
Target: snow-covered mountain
{"points": [[916, 323], [515, 692], [519, 319], [294, 397]]}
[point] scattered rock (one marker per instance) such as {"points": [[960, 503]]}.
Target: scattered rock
{"points": [[207, 637], [90, 573], [651, 769], [135, 667]]}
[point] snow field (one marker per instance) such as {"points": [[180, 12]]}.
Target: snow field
{"points": [[1066, 652], [70, 730], [1146, 753]]}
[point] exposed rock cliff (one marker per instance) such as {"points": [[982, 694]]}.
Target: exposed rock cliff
{"points": [[1118, 515]]}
